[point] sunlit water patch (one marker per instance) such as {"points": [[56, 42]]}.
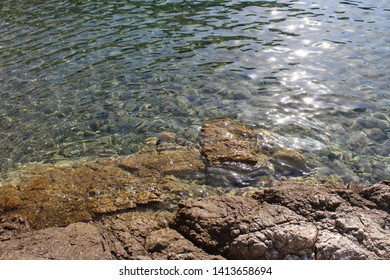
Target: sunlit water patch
{"points": [[94, 78]]}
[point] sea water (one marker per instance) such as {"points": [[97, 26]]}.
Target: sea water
{"points": [[94, 78]]}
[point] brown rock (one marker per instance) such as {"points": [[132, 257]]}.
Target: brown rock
{"points": [[134, 235], [241, 228], [181, 164], [12, 226], [379, 194], [65, 194], [228, 141], [169, 244], [144, 235], [239, 156], [288, 162], [296, 219], [229, 149], [164, 156], [79, 241]]}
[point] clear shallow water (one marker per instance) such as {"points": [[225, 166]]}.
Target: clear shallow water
{"points": [[94, 78]]}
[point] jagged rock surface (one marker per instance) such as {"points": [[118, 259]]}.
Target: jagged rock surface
{"points": [[79, 241], [293, 220], [136, 235]]}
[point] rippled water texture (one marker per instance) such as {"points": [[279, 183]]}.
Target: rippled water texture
{"points": [[94, 78]]}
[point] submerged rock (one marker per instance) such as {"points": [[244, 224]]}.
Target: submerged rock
{"points": [[154, 205], [231, 158], [240, 156], [69, 193], [164, 171]]}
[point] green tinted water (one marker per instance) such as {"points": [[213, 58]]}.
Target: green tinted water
{"points": [[94, 78]]}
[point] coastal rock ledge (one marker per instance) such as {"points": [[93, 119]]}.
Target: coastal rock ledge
{"points": [[174, 200], [293, 220]]}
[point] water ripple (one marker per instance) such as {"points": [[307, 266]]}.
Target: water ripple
{"points": [[81, 77]]}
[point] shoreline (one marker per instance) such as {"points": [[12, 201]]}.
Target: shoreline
{"points": [[179, 200]]}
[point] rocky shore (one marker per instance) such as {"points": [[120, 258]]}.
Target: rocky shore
{"points": [[237, 194]]}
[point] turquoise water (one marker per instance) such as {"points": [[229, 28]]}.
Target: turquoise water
{"points": [[94, 78]]}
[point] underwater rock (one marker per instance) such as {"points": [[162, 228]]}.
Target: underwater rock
{"points": [[288, 162], [372, 123], [229, 151], [63, 194], [376, 134], [154, 204], [165, 170], [226, 141], [341, 169], [385, 148], [358, 140], [240, 156], [163, 156], [180, 164]]}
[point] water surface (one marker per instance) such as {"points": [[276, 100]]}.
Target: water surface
{"points": [[94, 78]]}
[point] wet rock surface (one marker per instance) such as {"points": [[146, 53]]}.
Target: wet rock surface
{"points": [[66, 194], [240, 156], [173, 200]]}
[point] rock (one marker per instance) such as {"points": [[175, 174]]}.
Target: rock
{"points": [[385, 149], [358, 140], [372, 123], [169, 244], [12, 226], [288, 162], [154, 204], [163, 156], [341, 169], [241, 228], [379, 194], [142, 235], [376, 134], [79, 241], [180, 164], [229, 150], [296, 219], [226, 140], [239, 156], [69, 193]]}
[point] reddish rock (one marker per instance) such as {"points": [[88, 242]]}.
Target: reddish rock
{"points": [[379, 194], [65, 194], [79, 241], [293, 220]]}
